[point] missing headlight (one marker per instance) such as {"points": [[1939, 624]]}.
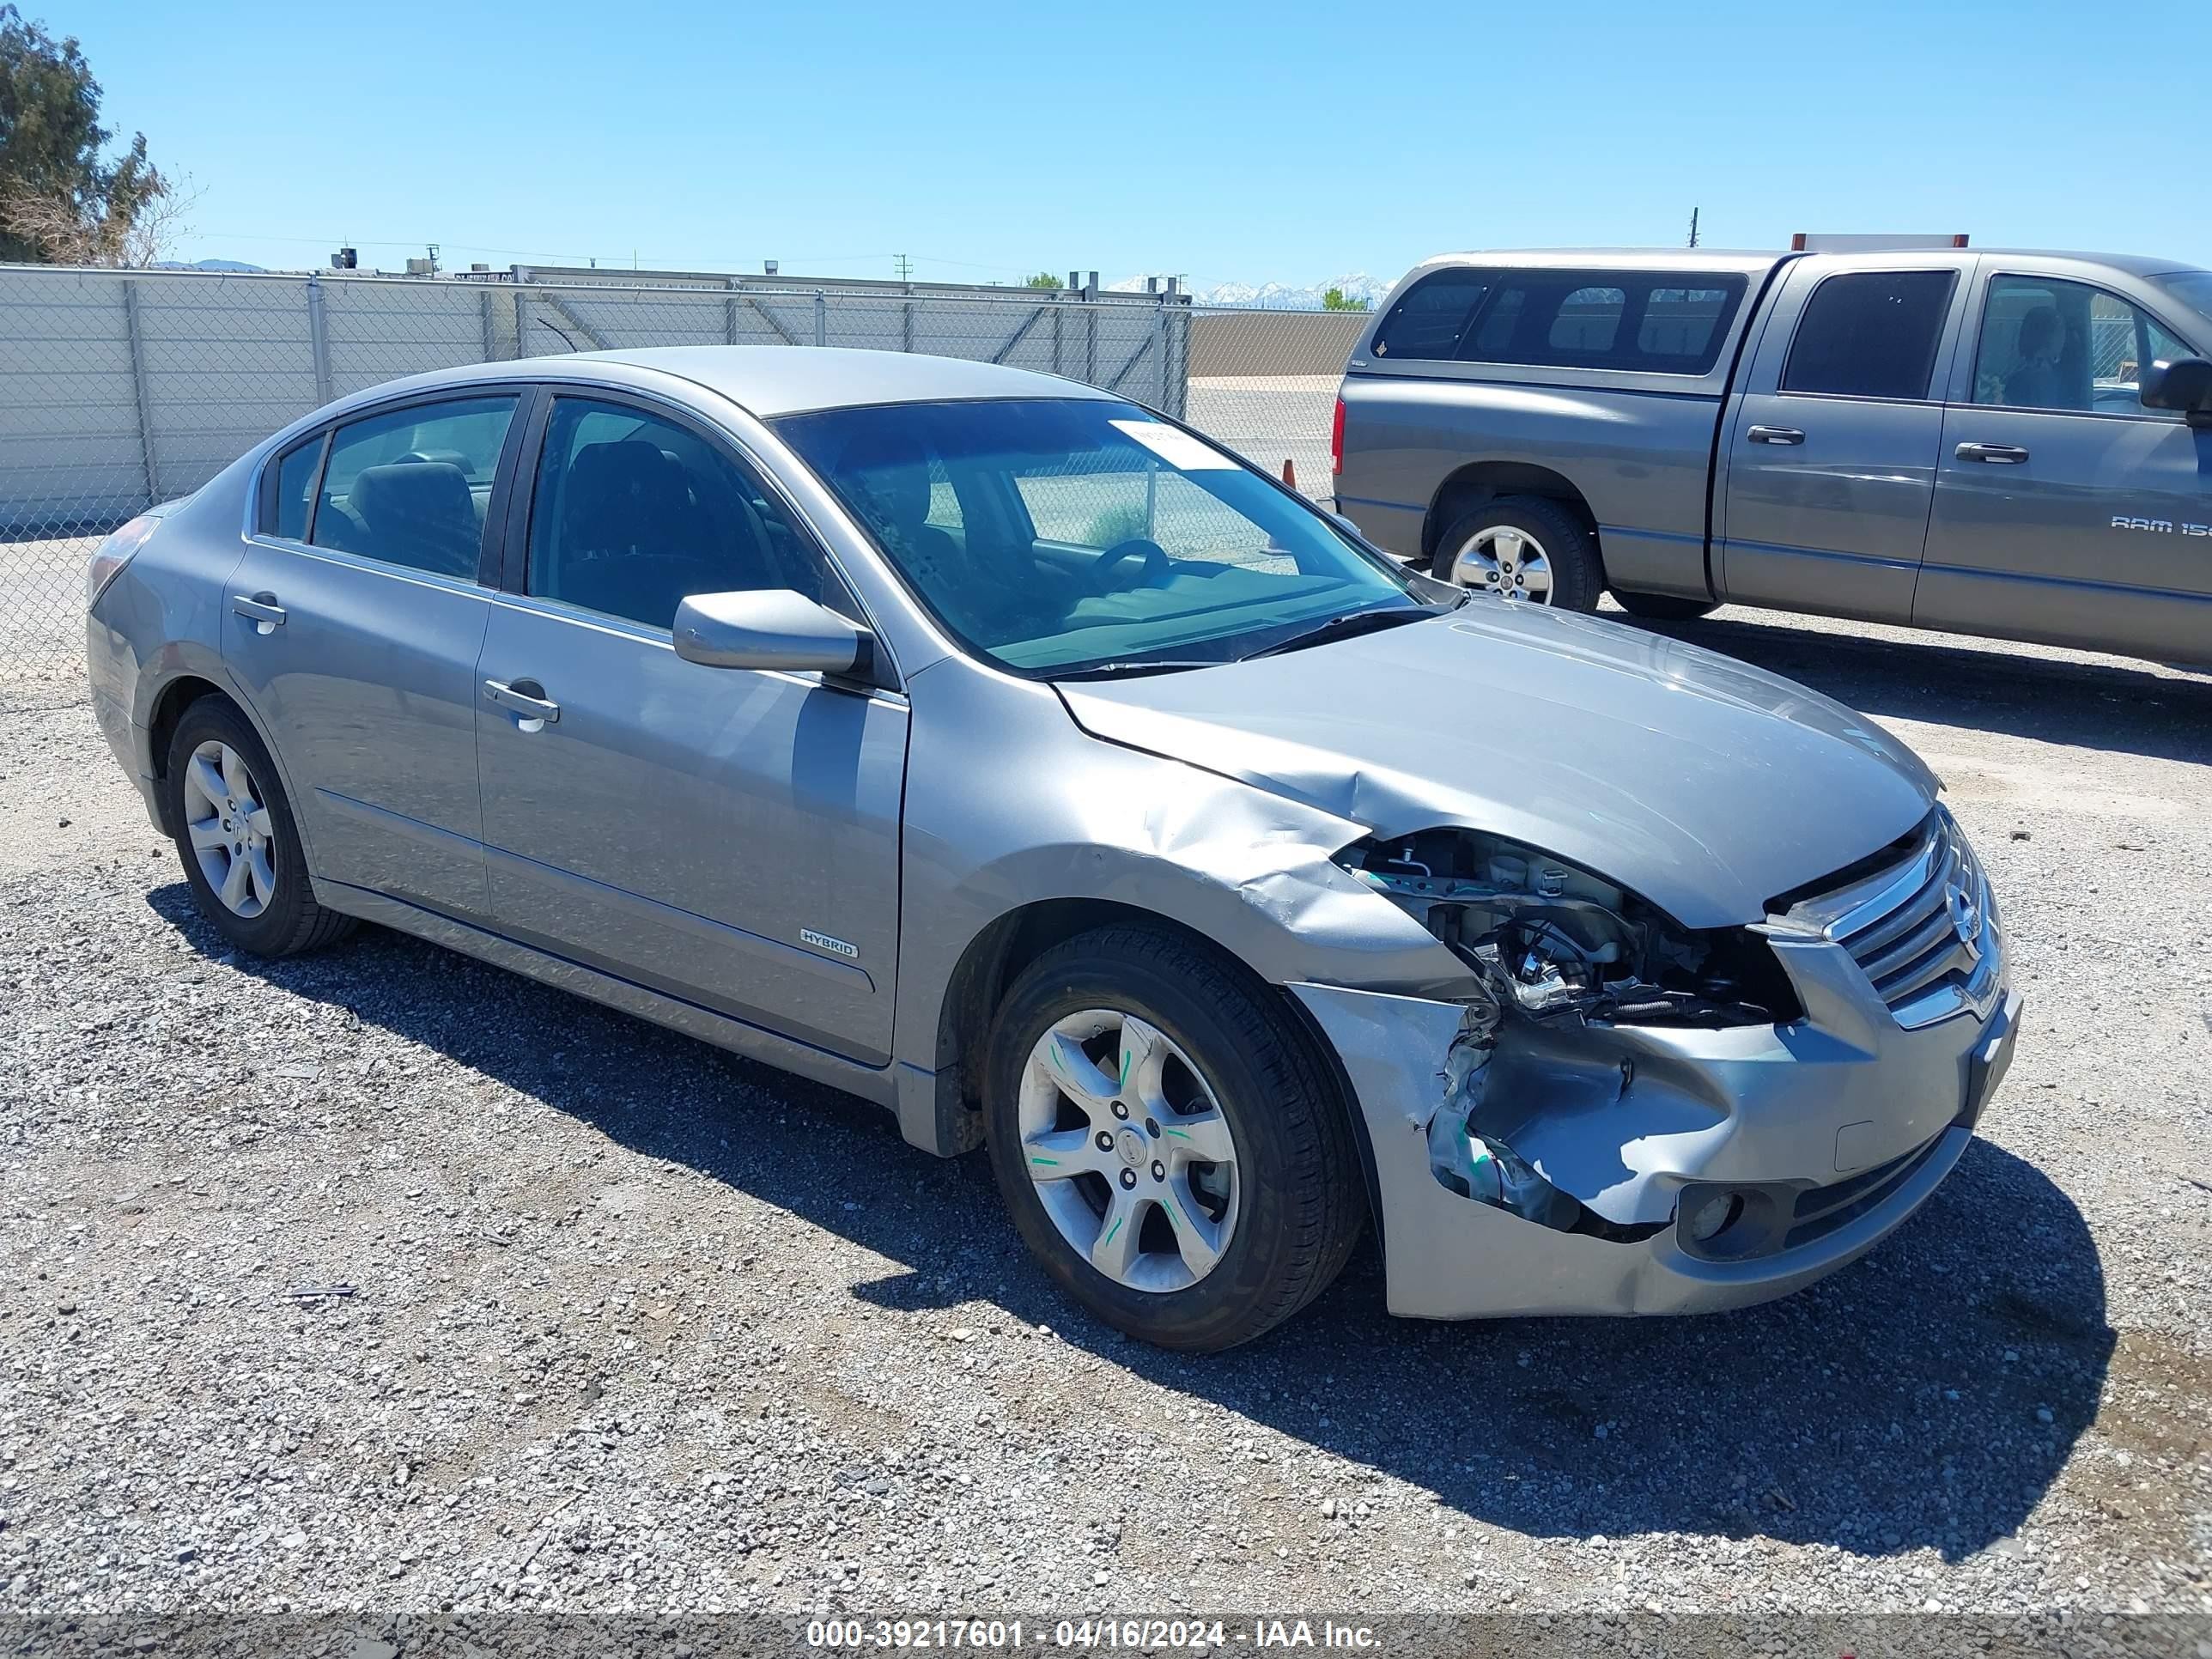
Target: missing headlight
{"points": [[1554, 940]]}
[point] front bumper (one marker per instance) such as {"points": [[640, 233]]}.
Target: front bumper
{"points": [[1624, 1118]]}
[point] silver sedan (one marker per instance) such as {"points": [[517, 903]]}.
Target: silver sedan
{"points": [[1011, 756]]}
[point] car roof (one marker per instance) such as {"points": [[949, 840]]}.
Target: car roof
{"points": [[775, 380]]}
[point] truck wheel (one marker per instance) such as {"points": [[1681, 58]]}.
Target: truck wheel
{"points": [[1662, 607], [1527, 550], [1166, 1140], [235, 834]]}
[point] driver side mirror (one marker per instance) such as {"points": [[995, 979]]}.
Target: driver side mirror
{"points": [[773, 627], [2184, 384]]}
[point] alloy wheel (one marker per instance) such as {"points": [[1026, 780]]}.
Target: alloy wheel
{"points": [[231, 832], [1128, 1150], [1505, 562]]}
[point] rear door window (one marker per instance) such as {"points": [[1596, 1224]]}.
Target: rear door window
{"points": [[1870, 334], [411, 487]]}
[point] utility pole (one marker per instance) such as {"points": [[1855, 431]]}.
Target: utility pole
{"points": [[1693, 227], [903, 266]]}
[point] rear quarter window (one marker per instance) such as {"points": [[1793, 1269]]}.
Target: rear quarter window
{"points": [[289, 490]]}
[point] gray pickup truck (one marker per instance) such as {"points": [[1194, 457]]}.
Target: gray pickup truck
{"points": [[2010, 444]]}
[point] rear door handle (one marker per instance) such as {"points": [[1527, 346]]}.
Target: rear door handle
{"points": [[525, 698], [1775, 434], [266, 614], [1996, 454]]}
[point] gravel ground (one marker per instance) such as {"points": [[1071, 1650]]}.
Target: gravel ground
{"points": [[380, 1279]]}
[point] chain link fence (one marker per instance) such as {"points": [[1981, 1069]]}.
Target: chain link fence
{"points": [[119, 389], [1264, 383]]}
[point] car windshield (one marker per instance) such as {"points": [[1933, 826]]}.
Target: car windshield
{"points": [[2192, 287], [1056, 536]]}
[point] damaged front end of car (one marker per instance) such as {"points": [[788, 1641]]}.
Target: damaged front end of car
{"points": [[1619, 1114], [1557, 948]]}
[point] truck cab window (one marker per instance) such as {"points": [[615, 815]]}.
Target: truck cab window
{"points": [[1870, 334], [2047, 343]]}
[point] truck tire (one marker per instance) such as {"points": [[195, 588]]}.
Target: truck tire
{"points": [[1527, 550], [1662, 607], [1170, 1146], [237, 838]]}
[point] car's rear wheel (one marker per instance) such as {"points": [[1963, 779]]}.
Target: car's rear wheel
{"points": [[1168, 1144], [1662, 607], [1525, 550], [237, 838]]}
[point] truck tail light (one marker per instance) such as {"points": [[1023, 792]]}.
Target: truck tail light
{"points": [[1336, 442]]}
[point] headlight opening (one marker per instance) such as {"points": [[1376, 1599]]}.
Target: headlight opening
{"points": [[1553, 940]]}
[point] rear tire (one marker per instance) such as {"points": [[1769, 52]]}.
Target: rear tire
{"points": [[1525, 550], [237, 838], [1663, 607], [1174, 1054]]}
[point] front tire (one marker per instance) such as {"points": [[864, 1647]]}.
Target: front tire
{"points": [[1525, 550], [237, 838], [1166, 1140]]}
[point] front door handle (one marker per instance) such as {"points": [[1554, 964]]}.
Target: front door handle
{"points": [[525, 699], [262, 609], [1995, 454], [1775, 434]]}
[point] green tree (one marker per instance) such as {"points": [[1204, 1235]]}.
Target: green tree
{"points": [[1336, 299], [1042, 279], [61, 200]]}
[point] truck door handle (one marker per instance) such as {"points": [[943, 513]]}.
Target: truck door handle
{"points": [[525, 698], [1775, 434], [262, 609], [1996, 454]]}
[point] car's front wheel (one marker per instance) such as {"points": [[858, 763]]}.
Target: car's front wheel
{"points": [[236, 835], [1166, 1140]]}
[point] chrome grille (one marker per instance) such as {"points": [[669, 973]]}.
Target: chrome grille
{"points": [[1924, 928]]}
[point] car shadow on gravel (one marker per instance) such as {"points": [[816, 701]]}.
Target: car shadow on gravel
{"points": [[1925, 1397], [2096, 705]]}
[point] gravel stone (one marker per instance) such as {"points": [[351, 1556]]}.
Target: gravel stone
{"points": [[379, 1277]]}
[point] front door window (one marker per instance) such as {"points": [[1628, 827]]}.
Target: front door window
{"points": [[635, 513], [2051, 345]]}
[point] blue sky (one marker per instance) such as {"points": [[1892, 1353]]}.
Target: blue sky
{"points": [[1228, 142]]}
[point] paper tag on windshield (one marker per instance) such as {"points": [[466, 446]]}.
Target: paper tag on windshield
{"points": [[1174, 446]]}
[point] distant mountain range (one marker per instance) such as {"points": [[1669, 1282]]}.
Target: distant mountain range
{"points": [[1273, 297], [205, 264]]}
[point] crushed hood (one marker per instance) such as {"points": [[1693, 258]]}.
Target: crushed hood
{"points": [[1705, 784]]}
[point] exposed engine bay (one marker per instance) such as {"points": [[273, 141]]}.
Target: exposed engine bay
{"points": [[1554, 949]]}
